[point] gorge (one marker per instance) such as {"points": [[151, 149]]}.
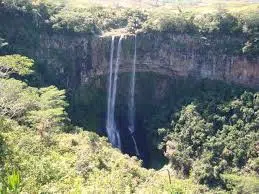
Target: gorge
{"points": [[111, 99], [175, 61], [81, 62]]}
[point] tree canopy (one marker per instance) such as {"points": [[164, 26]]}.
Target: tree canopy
{"points": [[11, 64]]}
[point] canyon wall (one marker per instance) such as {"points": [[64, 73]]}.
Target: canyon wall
{"points": [[70, 59], [217, 58]]}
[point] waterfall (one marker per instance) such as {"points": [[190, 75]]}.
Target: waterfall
{"points": [[132, 98], [108, 121], [112, 131]]}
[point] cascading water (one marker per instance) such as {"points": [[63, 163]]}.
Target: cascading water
{"points": [[112, 131], [131, 113], [108, 121]]}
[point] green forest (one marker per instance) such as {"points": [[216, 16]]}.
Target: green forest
{"points": [[194, 135]]}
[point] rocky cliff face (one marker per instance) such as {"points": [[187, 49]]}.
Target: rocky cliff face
{"points": [[70, 59], [179, 55], [78, 58], [64, 57]]}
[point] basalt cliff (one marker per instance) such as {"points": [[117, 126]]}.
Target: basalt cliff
{"points": [[78, 58], [72, 58]]}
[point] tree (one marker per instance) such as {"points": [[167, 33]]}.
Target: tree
{"points": [[16, 98], [18, 64], [186, 143], [50, 112]]}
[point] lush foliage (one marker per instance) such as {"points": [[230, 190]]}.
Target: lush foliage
{"points": [[96, 19], [213, 137], [11, 64], [84, 17], [87, 17], [37, 157], [78, 163], [43, 109], [241, 184], [49, 114], [16, 98]]}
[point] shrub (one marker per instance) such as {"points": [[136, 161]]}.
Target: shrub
{"points": [[16, 99], [168, 21], [18, 64], [217, 21], [241, 184]]}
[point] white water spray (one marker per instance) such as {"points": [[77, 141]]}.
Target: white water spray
{"points": [[113, 133], [132, 99]]}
